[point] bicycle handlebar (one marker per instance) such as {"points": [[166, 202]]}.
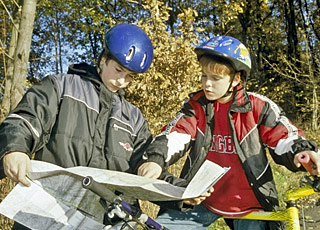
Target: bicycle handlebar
{"points": [[111, 197], [106, 194]]}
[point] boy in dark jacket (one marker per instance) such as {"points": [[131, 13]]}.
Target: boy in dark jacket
{"points": [[81, 118], [231, 127]]}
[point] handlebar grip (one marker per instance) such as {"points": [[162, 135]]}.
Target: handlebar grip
{"points": [[98, 189], [306, 162]]}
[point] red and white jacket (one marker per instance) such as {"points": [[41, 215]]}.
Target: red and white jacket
{"points": [[256, 124]]}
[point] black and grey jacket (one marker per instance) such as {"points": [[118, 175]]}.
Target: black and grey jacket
{"points": [[74, 120]]}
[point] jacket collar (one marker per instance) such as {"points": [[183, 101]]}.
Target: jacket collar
{"points": [[90, 72], [241, 102], [86, 71]]}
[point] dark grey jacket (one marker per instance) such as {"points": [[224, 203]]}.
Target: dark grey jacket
{"points": [[74, 120]]}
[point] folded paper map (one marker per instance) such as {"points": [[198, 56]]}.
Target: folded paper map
{"points": [[57, 200]]}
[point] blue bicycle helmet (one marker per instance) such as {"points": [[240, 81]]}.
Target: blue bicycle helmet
{"points": [[227, 48], [130, 46]]}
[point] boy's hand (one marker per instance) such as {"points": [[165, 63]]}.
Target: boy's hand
{"points": [[16, 165], [150, 169], [199, 199], [314, 161]]}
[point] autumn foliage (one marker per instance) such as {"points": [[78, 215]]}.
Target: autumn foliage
{"points": [[283, 38]]}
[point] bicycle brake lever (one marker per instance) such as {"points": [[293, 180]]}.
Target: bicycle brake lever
{"points": [[306, 181], [303, 181], [314, 183]]}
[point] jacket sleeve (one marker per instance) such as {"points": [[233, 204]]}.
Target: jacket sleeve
{"points": [[28, 126], [174, 141], [283, 139]]}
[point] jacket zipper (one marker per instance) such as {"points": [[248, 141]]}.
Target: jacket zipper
{"points": [[117, 127]]}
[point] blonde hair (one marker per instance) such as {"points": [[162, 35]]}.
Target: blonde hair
{"points": [[216, 66]]}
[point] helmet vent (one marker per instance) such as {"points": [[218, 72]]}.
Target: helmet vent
{"points": [[130, 54], [143, 62]]}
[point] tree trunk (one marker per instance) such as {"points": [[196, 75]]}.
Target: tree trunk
{"points": [[16, 72], [16, 82], [5, 106], [54, 27], [315, 106], [292, 32]]}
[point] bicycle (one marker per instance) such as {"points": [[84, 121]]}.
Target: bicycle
{"points": [[117, 209], [291, 212], [127, 213]]}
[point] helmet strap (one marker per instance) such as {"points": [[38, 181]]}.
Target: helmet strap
{"points": [[230, 90]]}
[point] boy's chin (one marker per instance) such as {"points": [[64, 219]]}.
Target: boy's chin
{"points": [[210, 98]]}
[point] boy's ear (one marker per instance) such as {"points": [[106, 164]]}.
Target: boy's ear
{"points": [[103, 60], [237, 79]]}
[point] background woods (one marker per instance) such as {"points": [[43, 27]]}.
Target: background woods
{"points": [[283, 38], [43, 37]]}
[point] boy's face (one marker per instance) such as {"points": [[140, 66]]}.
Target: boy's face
{"points": [[114, 76], [215, 86]]}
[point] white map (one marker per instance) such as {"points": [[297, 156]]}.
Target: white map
{"points": [[57, 200]]}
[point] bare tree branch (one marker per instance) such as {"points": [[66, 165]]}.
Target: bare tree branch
{"points": [[19, 9]]}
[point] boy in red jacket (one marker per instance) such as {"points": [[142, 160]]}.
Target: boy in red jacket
{"points": [[231, 127]]}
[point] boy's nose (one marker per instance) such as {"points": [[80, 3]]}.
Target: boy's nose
{"points": [[121, 79], [209, 82]]}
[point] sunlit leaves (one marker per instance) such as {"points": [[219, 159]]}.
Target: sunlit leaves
{"points": [[172, 75]]}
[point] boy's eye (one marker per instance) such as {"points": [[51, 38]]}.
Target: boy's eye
{"points": [[132, 75], [216, 77], [129, 76]]}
